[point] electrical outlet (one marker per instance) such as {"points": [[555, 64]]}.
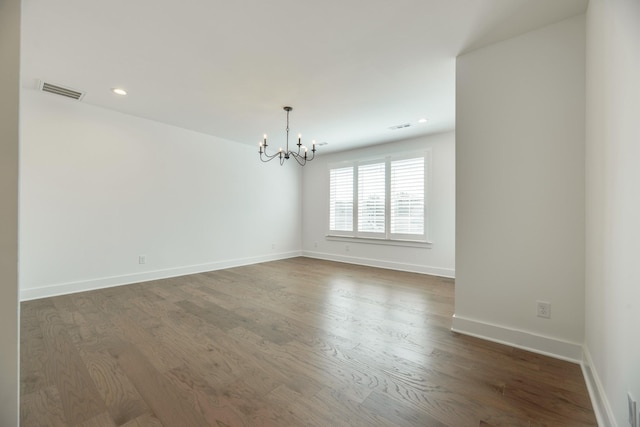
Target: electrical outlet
{"points": [[632, 411], [544, 309], [142, 259]]}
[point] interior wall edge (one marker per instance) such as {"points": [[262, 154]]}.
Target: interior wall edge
{"points": [[547, 346], [108, 282], [599, 401], [10, 31]]}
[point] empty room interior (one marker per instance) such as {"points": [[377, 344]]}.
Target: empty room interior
{"points": [[362, 213]]}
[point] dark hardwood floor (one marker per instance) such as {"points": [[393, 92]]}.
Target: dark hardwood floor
{"points": [[286, 343]]}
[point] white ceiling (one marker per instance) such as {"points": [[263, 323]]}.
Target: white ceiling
{"points": [[350, 69]]}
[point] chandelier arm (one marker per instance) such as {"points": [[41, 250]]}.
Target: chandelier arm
{"points": [[301, 160], [299, 154], [269, 156], [305, 155]]}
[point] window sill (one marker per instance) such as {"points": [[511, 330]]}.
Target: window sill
{"points": [[379, 241]]}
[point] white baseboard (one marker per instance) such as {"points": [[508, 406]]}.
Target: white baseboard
{"points": [[27, 293], [391, 265], [547, 346], [599, 400]]}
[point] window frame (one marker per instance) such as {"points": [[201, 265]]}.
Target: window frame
{"points": [[386, 237]]}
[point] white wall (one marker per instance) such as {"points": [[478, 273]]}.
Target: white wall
{"points": [[9, 308], [520, 190], [438, 260], [99, 188], [613, 205]]}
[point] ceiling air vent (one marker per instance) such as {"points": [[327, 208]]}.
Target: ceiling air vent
{"points": [[402, 126], [60, 90]]}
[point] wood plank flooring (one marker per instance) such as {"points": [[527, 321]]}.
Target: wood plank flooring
{"points": [[286, 343]]}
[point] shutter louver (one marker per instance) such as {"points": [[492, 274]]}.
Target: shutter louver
{"points": [[407, 196], [341, 199], [371, 198]]}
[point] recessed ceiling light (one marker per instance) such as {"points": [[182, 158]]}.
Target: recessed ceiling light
{"points": [[423, 120], [119, 91]]}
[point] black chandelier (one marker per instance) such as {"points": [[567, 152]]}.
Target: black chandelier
{"points": [[301, 157]]}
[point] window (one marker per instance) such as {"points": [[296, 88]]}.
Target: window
{"points": [[381, 199], [371, 198], [341, 199], [407, 196]]}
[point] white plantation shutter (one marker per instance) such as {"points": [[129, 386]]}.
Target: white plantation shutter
{"points": [[381, 200], [371, 198], [341, 199], [407, 196]]}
